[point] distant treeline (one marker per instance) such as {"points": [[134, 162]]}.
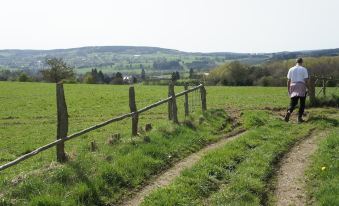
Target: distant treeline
{"points": [[93, 77], [58, 70], [272, 73]]}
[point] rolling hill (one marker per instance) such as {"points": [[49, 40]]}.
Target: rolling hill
{"points": [[130, 58]]}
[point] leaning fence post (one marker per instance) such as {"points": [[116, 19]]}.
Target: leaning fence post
{"points": [[324, 87], [186, 101], [174, 104], [133, 107], [203, 98], [312, 90], [170, 103], [62, 126]]}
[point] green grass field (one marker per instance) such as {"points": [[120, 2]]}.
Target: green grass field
{"points": [[28, 120]]}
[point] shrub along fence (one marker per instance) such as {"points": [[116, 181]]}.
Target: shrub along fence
{"points": [[62, 119], [324, 81]]}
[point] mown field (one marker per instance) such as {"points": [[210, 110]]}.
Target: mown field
{"points": [[28, 120]]}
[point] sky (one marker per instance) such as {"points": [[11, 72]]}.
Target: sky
{"points": [[188, 25]]}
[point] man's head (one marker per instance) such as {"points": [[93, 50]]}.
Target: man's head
{"points": [[299, 61]]}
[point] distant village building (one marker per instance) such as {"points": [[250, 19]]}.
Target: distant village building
{"points": [[130, 79]]}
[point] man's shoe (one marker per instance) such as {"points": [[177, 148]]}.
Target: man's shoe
{"points": [[300, 120], [287, 117]]}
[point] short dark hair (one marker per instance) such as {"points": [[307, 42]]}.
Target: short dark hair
{"points": [[299, 60]]}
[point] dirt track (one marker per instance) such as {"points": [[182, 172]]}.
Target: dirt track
{"points": [[290, 186], [169, 175]]}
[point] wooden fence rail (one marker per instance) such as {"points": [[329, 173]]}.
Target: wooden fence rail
{"points": [[62, 115]]}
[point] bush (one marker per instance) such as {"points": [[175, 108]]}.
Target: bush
{"points": [[23, 77], [329, 101]]}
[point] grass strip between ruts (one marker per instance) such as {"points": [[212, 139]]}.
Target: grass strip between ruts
{"points": [[236, 174]]}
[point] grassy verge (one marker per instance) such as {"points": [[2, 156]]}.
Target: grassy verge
{"points": [[236, 174], [323, 175], [103, 177]]}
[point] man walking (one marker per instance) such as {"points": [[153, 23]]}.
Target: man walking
{"points": [[297, 85]]}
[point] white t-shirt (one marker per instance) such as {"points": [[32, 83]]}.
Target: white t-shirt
{"points": [[297, 74]]}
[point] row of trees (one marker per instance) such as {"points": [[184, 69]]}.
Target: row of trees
{"points": [[167, 65], [58, 70], [271, 73]]}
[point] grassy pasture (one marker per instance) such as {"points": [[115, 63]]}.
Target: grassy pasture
{"points": [[28, 110], [28, 120]]}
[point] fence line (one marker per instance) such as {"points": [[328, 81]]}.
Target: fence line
{"points": [[62, 126]]}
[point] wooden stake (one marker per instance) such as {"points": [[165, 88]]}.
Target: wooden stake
{"points": [[170, 112], [174, 104], [312, 90], [186, 101], [148, 127], [62, 126], [93, 146], [203, 98], [133, 107]]}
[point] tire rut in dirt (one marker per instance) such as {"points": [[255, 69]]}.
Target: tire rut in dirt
{"points": [[169, 175], [290, 177]]}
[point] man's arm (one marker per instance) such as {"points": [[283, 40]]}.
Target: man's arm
{"points": [[306, 79], [288, 81], [288, 85]]}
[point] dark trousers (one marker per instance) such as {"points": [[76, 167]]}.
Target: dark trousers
{"points": [[294, 102]]}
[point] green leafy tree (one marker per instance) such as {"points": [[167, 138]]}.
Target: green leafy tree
{"points": [[58, 70], [143, 74], [118, 75], [88, 78], [101, 77], [23, 77], [134, 80], [191, 73], [175, 76], [118, 79]]}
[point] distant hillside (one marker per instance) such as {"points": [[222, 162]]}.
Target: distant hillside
{"points": [[310, 53], [129, 58]]}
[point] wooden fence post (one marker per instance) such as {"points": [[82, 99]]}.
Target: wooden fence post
{"points": [[312, 90], [133, 107], [174, 105], [170, 113], [203, 98], [186, 101], [62, 126], [324, 87]]}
